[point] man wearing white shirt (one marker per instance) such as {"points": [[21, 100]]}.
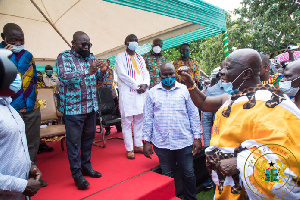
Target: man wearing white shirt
{"points": [[133, 81], [49, 79]]}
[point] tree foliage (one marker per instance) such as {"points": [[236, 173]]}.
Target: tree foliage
{"points": [[263, 25], [266, 25]]}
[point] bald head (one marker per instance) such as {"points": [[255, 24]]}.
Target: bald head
{"points": [[247, 58], [77, 35], [166, 66]]}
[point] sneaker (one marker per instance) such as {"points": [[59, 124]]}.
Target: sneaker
{"points": [[208, 184]]}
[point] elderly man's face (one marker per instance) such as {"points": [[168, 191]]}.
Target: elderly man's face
{"points": [[232, 72]]}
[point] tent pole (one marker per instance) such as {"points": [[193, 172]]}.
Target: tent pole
{"points": [[49, 21]]}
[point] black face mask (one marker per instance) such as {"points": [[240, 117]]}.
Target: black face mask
{"points": [[84, 53]]}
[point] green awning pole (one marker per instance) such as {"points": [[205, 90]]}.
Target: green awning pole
{"points": [[225, 43]]}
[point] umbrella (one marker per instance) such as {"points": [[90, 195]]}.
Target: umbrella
{"points": [[48, 25]]}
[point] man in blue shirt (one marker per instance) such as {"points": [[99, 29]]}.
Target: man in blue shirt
{"points": [[171, 121]]}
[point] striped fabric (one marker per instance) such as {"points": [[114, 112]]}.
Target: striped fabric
{"points": [[170, 117], [77, 90], [275, 130], [25, 99], [109, 83], [134, 66]]}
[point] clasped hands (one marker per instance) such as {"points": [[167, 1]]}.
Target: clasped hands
{"points": [[141, 88], [33, 182], [99, 64]]}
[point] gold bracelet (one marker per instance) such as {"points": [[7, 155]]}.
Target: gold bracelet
{"points": [[195, 85]]}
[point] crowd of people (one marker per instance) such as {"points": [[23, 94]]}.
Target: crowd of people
{"points": [[251, 102]]}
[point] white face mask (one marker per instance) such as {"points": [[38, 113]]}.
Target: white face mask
{"points": [[17, 49], [157, 49], [287, 88]]}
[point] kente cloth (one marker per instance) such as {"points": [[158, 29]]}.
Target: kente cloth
{"points": [[284, 57], [109, 82], [192, 64], [153, 64], [259, 126], [274, 79], [25, 99]]}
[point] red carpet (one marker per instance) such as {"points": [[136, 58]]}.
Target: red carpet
{"points": [[148, 186], [110, 161]]}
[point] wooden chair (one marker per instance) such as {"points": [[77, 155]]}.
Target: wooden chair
{"points": [[55, 132]]}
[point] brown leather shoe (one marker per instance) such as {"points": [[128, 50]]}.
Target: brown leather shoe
{"points": [[130, 155], [138, 149]]}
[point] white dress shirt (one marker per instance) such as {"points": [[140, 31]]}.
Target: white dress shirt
{"points": [[15, 161]]}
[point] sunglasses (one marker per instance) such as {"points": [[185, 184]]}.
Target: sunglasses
{"points": [[84, 44]]}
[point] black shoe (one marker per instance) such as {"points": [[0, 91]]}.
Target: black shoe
{"points": [[91, 173], [81, 182], [44, 148], [107, 132], [119, 128], [43, 183]]}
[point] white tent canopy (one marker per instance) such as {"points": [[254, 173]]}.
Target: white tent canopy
{"points": [[49, 25]]}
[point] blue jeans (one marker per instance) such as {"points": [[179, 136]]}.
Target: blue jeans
{"points": [[80, 134], [183, 158]]}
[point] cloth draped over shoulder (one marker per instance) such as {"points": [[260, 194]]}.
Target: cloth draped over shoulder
{"points": [[131, 103], [260, 127], [25, 99]]}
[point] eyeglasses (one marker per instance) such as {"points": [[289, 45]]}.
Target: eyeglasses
{"points": [[84, 44]]}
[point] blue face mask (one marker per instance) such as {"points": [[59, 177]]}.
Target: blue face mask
{"points": [[168, 81], [228, 87], [49, 72], [133, 46], [16, 84], [17, 49]]}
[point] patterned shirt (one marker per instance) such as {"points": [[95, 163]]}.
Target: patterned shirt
{"points": [[109, 83], [77, 90], [25, 99], [153, 64], [192, 64], [14, 156], [170, 117]]}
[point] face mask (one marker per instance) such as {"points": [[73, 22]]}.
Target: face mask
{"points": [[287, 88], [49, 72], [17, 49], [228, 86], [168, 81], [185, 54], [133, 46], [16, 84], [84, 53], [157, 49]]}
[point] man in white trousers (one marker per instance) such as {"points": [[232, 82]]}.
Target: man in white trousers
{"points": [[133, 81]]}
